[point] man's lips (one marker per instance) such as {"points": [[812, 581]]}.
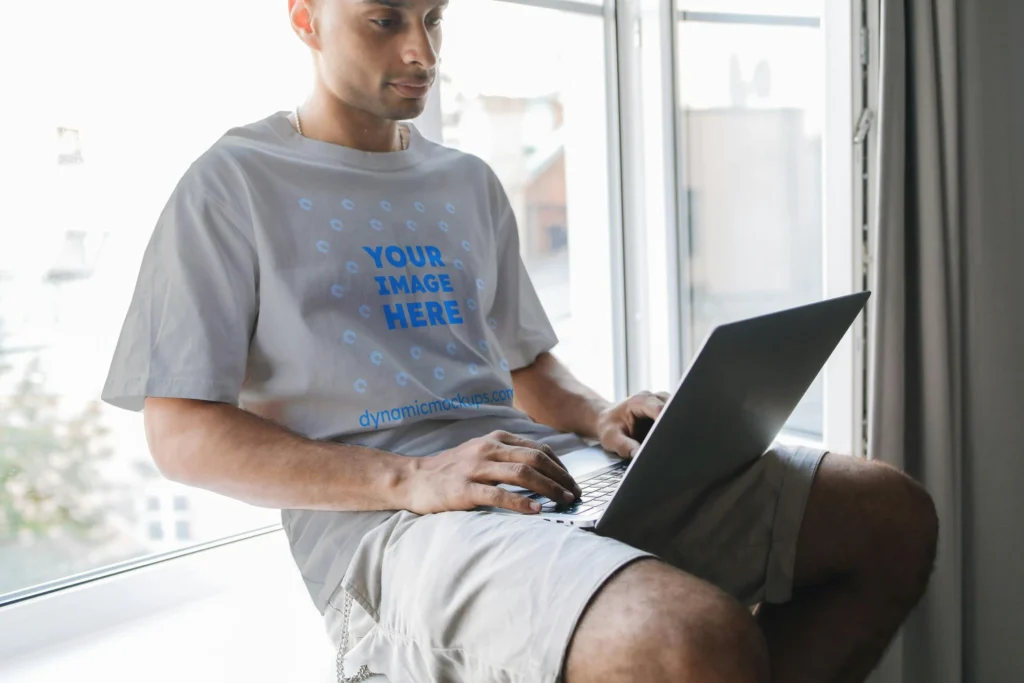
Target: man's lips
{"points": [[412, 89]]}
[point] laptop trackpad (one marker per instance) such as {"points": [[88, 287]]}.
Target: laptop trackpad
{"points": [[579, 463]]}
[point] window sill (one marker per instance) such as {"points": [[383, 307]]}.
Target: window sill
{"points": [[206, 616]]}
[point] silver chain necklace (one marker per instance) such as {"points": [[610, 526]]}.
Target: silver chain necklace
{"points": [[402, 139]]}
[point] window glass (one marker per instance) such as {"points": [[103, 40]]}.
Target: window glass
{"points": [[752, 105], [537, 116], [98, 126]]}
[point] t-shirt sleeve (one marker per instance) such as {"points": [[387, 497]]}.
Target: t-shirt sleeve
{"points": [[190, 321], [522, 327]]}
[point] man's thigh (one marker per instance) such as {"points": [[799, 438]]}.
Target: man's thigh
{"points": [[469, 596]]}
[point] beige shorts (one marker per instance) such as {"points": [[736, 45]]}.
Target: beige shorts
{"points": [[483, 597]]}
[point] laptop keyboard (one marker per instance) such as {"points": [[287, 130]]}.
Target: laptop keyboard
{"points": [[597, 491]]}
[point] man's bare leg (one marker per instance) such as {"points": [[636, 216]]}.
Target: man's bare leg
{"points": [[654, 623], [864, 555]]}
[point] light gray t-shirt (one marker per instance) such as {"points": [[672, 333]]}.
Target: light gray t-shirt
{"points": [[367, 298]]}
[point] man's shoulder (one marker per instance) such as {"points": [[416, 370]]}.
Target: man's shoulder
{"points": [[238, 144], [223, 167]]}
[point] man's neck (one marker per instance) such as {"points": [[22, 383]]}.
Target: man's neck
{"points": [[328, 119]]}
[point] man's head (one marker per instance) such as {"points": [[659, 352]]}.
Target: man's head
{"points": [[378, 56]]}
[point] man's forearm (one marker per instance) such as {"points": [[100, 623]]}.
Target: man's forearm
{"points": [[224, 449], [551, 395]]}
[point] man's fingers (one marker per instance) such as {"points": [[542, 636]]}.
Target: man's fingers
{"points": [[481, 494], [516, 440], [521, 474], [622, 445], [543, 463], [651, 406]]}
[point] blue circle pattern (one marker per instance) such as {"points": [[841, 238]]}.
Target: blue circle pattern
{"points": [[376, 357], [306, 204]]}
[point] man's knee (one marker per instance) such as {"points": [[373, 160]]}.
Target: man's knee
{"points": [[898, 528], [871, 521], [917, 532], [655, 623]]}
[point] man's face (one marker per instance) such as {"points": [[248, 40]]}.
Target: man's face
{"points": [[379, 56]]}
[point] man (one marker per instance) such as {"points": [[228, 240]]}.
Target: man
{"points": [[358, 292]]}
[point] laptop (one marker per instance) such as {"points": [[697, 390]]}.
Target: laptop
{"points": [[727, 410]]}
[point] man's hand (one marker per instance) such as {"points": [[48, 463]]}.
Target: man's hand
{"points": [[617, 424], [464, 477]]}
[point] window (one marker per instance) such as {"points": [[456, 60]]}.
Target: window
{"points": [[535, 111], [752, 115], [87, 168]]}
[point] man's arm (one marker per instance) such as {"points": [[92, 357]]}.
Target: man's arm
{"points": [[551, 395], [221, 448]]}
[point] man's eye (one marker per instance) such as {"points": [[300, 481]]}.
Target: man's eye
{"points": [[436, 21], [384, 23]]}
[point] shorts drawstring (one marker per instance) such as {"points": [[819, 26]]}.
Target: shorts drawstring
{"points": [[363, 672]]}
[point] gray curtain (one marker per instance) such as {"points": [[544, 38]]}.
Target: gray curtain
{"points": [[948, 322]]}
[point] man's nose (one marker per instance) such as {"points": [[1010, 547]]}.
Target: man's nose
{"points": [[419, 48]]}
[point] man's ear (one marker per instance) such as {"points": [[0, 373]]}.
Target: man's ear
{"points": [[302, 22]]}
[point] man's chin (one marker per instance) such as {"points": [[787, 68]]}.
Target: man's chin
{"points": [[405, 111]]}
